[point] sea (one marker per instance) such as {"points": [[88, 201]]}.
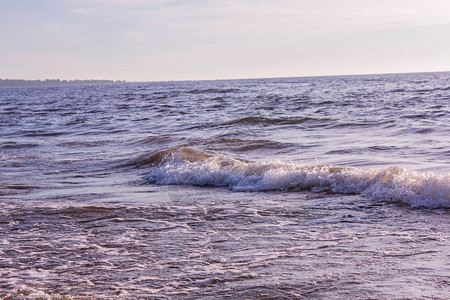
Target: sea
{"points": [[287, 188]]}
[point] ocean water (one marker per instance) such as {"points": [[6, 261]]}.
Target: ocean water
{"points": [[317, 188]]}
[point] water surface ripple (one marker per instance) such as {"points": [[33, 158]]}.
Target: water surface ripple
{"points": [[321, 187]]}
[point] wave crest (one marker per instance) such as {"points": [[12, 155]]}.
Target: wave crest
{"points": [[189, 166]]}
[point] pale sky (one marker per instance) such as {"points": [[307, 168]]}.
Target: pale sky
{"points": [[151, 40]]}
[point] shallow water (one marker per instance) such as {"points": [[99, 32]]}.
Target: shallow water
{"points": [[327, 187]]}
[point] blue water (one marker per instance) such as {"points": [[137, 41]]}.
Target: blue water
{"points": [[293, 187]]}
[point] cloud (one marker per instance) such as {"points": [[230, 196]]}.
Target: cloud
{"points": [[222, 38], [286, 17]]}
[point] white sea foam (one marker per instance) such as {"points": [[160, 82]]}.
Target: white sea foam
{"points": [[395, 184]]}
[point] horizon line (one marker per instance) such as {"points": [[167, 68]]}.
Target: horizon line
{"points": [[224, 79]]}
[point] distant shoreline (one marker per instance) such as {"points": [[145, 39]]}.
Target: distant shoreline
{"points": [[52, 82]]}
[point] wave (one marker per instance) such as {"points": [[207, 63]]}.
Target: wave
{"points": [[399, 90], [7, 190], [158, 140], [189, 166], [311, 121], [243, 145], [276, 121], [181, 154], [212, 91], [217, 143]]}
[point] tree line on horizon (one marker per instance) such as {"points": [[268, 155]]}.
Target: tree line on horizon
{"points": [[48, 82]]}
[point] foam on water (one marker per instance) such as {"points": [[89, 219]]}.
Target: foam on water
{"points": [[188, 166], [78, 221]]}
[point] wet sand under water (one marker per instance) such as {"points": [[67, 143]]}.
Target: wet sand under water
{"points": [[191, 242]]}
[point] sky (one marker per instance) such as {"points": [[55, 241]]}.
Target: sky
{"points": [[156, 40]]}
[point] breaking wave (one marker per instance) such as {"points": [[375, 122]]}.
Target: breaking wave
{"points": [[189, 166]]}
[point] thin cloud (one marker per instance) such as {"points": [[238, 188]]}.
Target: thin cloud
{"points": [[162, 38]]}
